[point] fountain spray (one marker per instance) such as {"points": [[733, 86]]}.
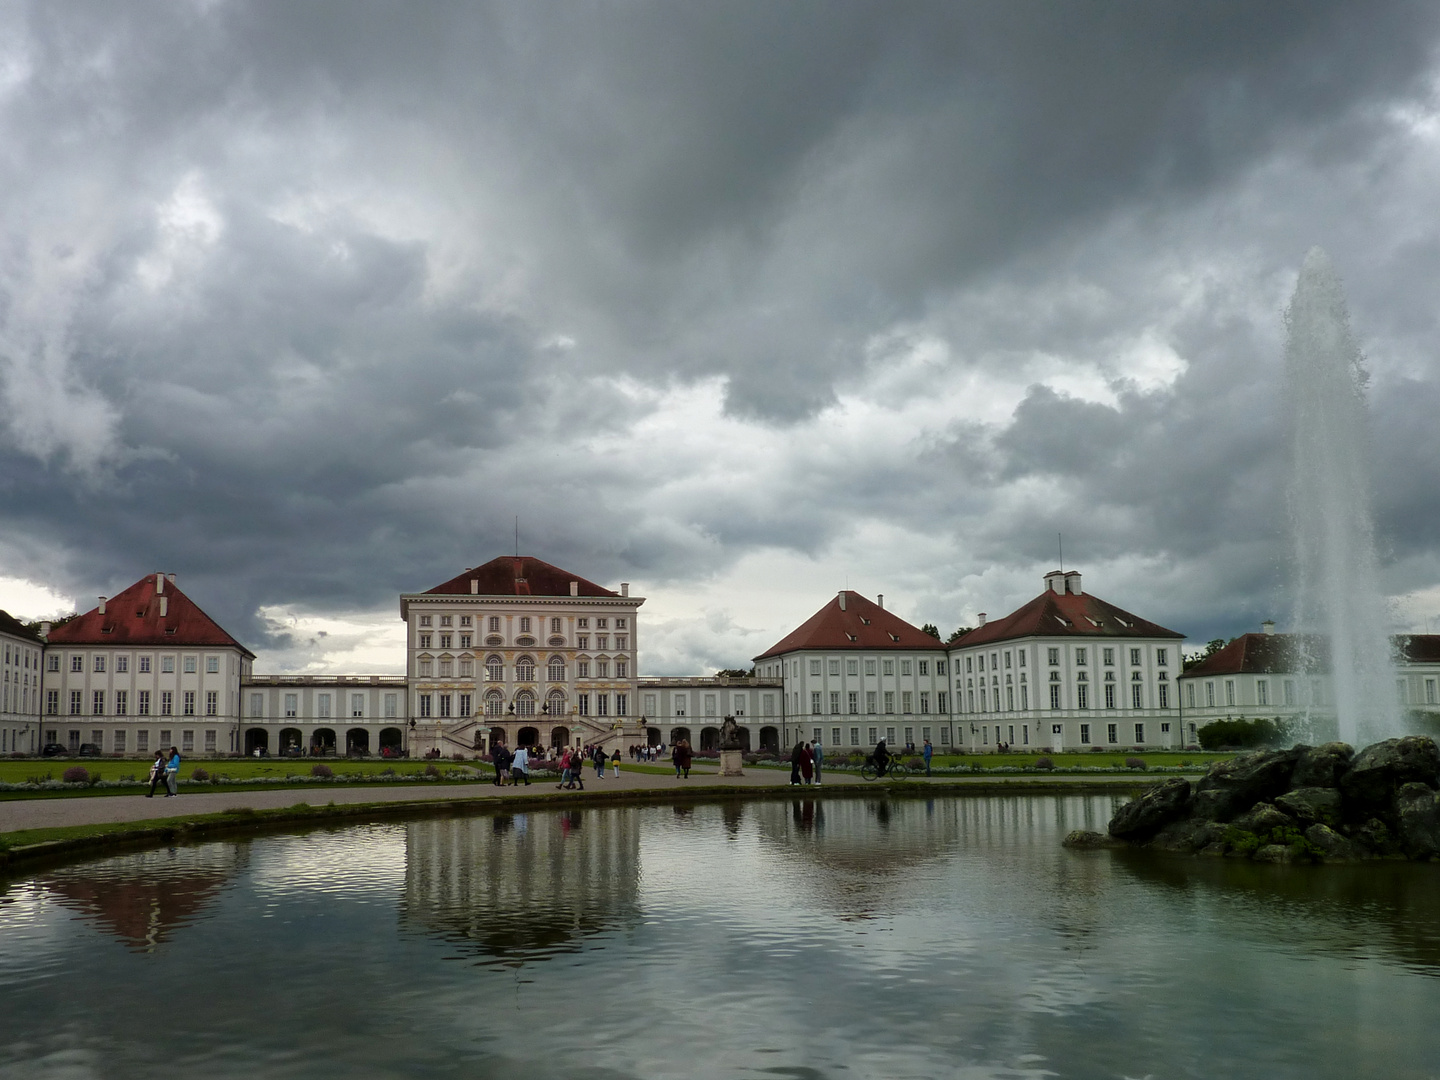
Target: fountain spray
{"points": [[1336, 581]]}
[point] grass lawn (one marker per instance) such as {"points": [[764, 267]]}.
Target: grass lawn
{"points": [[14, 771]]}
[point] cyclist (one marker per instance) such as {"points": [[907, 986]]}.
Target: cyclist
{"points": [[881, 758]]}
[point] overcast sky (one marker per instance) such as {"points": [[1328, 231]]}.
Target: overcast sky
{"points": [[740, 303]]}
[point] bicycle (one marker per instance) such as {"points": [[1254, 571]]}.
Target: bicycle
{"points": [[894, 771]]}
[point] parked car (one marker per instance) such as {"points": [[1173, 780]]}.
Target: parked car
{"points": [[90, 749], [52, 749]]}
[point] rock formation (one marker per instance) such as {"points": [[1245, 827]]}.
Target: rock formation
{"points": [[1320, 803]]}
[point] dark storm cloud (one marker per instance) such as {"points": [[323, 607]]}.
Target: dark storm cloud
{"points": [[308, 301]]}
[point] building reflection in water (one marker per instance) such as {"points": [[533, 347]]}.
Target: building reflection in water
{"points": [[512, 888], [143, 899]]}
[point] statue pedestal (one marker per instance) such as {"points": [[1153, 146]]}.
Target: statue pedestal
{"points": [[732, 763]]}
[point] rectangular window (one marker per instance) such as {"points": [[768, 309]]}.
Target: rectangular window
{"points": [[709, 704], [1110, 733], [1229, 691], [122, 702], [1164, 693], [814, 703], [212, 702], [495, 624], [167, 703], [852, 667], [165, 738], [1054, 695], [97, 703], [212, 665], [887, 667], [257, 704], [924, 702], [292, 704], [77, 662], [142, 741], [924, 667], [870, 702], [190, 667], [1134, 657], [869, 667], [1190, 695], [1210, 695], [1084, 733], [622, 703], [465, 704], [1109, 695], [853, 701], [425, 705], [874, 737], [889, 702], [144, 665], [1137, 696], [167, 665], [54, 664], [99, 662], [1054, 656], [834, 702], [391, 704], [814, 667], [1139, 734], [602, 702], [189, 702], [122, 664], [1289, 691], [322, 705], [77, 699], [1079, 656], [942, 701], [1160, 655], [1108, 657], [890, 735], [854, 736], [904, 667], [1262, 691], [905, 700], [448, 620], [142, 703], [426, 620], [187, 741], [357, 704], [445, 702], [834, 667], [210, 741], [1082, 696], [582, 704], [1429, 691]]}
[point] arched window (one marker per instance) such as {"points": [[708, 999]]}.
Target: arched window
{"points": [[494, 704], [524, 703], [556, 701], [556, 671], [525, 669], [494, 669]]}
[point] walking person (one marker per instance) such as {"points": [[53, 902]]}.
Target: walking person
{"points": [[501, 758], [807, 763], [675, 759], [819, 752], [682, 757], [928, 753], [599, 757], [157, 773], [520, 767], [172, 773], [615, 761], [795, 756]]}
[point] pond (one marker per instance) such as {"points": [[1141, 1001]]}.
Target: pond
{"points": [[813, 938]]}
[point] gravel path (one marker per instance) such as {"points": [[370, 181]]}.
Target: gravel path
{"points": [[54, 813]]}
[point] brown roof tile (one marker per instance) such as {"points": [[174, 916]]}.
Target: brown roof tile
{"points": [[521, 575], [863, 624], [133, 618], [1264, 654], [1066, 614]]}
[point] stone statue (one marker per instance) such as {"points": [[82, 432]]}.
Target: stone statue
{"points": [[730, 735]]}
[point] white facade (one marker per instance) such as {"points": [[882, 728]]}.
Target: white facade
{"points": [[535, 669], [20, 688], [857, 698], [694, 708], [324, 714]]}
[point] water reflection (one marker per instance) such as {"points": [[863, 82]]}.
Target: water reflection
{"points": [[143, 899], [520, 887]]}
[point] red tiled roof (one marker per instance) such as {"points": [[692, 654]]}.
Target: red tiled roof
{"points": [[1265, 654], [133, 618], [863, 624], [510, 575], [1054, 614]]}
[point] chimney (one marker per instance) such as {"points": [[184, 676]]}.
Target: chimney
{"points": [[159, 583], [102, 605], [842, 599], [624, 588], [574, 588], [981, 618], [1072, 582], [45, 625], [164, 606], [1267, 627], [880, 600], [474, 586], [170, 578], [1055, 581]]}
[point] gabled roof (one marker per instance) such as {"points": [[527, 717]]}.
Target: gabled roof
{"points": [[861, 624], [13, 626], [1267, 654], [133, 618], [1053, 614], [521, 575]]}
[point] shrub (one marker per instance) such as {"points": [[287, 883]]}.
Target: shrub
{"points": [[1135, 763], [76, 774], [387, 772], [915, 763], [1242, 733], [432, 770], [322, 771], [457, 757], [1044, 763], [199, 775]]}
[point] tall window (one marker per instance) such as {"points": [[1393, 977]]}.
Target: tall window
{"points": [[556, 669], [814, 703], [189, 702], [212, 702], [142, 702], [122, 702], [167, 703], [525, 670], [494, 669], [835, 702], [97, 703]]}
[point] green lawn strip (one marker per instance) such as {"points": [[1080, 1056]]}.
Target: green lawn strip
{"points": [[19, 770], [85, 791], [66, 843]]}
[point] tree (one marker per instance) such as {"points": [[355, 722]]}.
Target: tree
{"points": [[734, 673], [931, 629], [959, 633]]}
